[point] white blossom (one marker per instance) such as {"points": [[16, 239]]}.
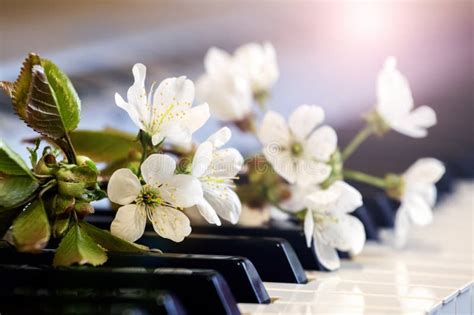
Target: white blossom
{"points": [[216, 169], [228, 93], [328, 224], [258, 64], [395, 103], [159, 199], [418, 197], [298, 151], [166, 112]]}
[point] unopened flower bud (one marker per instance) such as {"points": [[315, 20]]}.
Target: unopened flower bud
{"points": [[395, 186], [45, 165], [83, 208], [63, 204]]}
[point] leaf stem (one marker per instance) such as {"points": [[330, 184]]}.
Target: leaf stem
{"points": [[360, 137], [71, 155], [365, 178]]}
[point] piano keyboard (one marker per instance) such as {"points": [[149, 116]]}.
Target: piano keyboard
{"points": [[433, 275]]}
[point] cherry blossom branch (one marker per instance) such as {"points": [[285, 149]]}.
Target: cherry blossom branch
{"points": [[360, 137], [365, 178]]}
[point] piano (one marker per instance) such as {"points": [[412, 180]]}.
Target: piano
{"points": [[207, 275]]}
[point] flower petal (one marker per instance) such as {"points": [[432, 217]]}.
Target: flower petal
{"points": [[309, 172], [282, 162], [322, 143], [349, 197], [208, 213], [356, 232], [424, 171], [131, 110], [175, 92], [225, 163], [394, 98], [418, 209], [129, 223], [325, 253], [402, 228], [308, 227], [225, 202], [304, 119], [274, 131], [216, 60], [139, 74], [322, 200], [415, 124], [220, 137], [123, 187], [202, 158], [170, 223], [197, 117], [181, 190], [158, 168]]}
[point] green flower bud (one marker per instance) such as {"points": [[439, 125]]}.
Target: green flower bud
{"points": [[46, 165], [395, 186], [83, 208], [63, 204]]}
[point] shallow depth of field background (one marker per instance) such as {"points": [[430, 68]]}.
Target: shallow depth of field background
{"points": [[329, 54]]}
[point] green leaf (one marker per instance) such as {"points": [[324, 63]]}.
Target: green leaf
{"points": [[67, 100], [51, 111], [77, 247], [31, 229], [22, 85], [11, 163], [17, 182], [6, 219], [104, 146], [111, 242]]}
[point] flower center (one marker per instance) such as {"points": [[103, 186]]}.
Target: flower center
{"points": [[149, 196], [296, 149]]}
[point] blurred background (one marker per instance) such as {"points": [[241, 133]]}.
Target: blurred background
{"points": [[329, 53]]}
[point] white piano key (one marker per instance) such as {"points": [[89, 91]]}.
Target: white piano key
{"points": [[433, 275]]}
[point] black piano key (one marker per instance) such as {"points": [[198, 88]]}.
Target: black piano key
{"points": [[274, 258], [240, 274], [200, 291], [382, 210], [162, 303], [288, 230]]}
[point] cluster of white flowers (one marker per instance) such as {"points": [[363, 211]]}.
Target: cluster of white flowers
{"points": [[161, 194], [300, 152], [232, 82], [417, 192]]}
